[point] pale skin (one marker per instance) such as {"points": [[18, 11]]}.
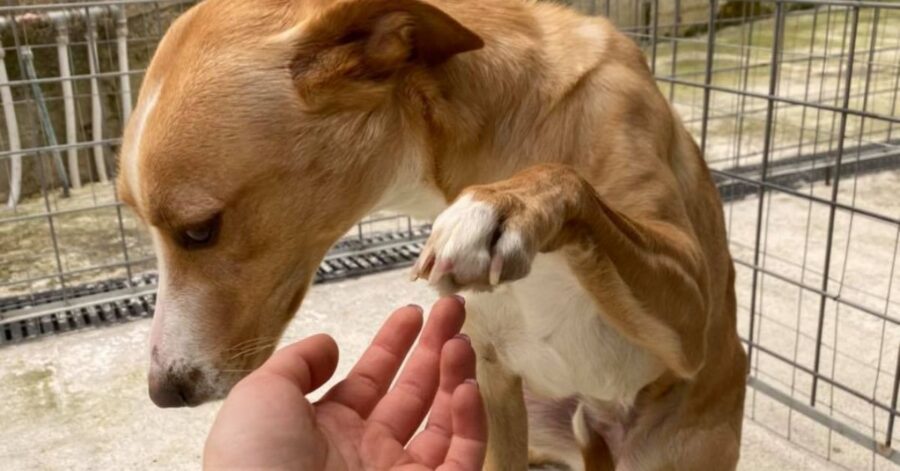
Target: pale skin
{"points": [[362, 423]]}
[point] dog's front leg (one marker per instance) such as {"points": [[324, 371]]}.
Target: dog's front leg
{"points": [[647, 274], [507, 419]]}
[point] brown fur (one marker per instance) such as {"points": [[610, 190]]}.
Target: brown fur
{"points": [[290, 119]]}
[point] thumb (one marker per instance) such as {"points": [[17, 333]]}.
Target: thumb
{"points": [[308, 363]]}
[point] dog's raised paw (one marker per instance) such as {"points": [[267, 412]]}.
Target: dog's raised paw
{"points": [[473, 245]]}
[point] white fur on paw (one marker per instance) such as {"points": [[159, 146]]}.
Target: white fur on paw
{"points": [[469, 247]]}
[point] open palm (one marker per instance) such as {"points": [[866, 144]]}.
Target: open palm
{"points": [[267, 422]]}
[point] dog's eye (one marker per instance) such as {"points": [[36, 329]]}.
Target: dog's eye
{"points": [[201, 235]]}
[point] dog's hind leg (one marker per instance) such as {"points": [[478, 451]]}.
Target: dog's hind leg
{"points": [[595, 452], [559, 433], [551, 441], [683, 431]]}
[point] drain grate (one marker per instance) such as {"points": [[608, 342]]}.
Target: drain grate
{"points": [[16, 303], [137, 305], [25, 318]]}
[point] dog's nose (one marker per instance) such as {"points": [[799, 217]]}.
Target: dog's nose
{"points": [[168, 390]]}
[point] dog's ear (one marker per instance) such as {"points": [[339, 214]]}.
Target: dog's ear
{"points": [[371, 39]]}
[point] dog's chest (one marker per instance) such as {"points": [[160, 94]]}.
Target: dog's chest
{"points": [[547, 330]]}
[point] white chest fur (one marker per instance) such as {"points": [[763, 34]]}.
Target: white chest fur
{"points": [[547, 330]]}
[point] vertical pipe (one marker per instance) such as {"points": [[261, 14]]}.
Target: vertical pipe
{"points": [[890, 428], [12, 129], [767, 149], [65, 73], [125, 92], [44, 116], [747, 53], [707, 80], [675, 32], [125, 77], [896, 93], [809, 64], [96, 104], [654, 36], [832, 213]]}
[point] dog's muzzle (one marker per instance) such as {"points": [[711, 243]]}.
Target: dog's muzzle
{"points": [[176, 387]]}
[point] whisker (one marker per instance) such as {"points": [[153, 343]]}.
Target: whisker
{"points": [[250, 342], [252, 350]]}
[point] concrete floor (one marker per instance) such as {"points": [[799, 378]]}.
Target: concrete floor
{"points": [[78, 401], [858, 349]]}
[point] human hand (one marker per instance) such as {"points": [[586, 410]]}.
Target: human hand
{"points": [[267, 422]]}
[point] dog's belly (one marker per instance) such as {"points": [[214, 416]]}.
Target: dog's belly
{"points": [[547, 330]]}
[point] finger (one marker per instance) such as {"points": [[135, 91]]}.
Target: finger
{"points": [[457, 365], [403, 408], [308, 363], [370, 379], [469, 442]]}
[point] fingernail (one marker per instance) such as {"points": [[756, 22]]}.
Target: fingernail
{"points": [[417, 307], [461, 299], [463, 337], [472, 382]]}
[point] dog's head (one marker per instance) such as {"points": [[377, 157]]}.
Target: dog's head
{"points": [[264, 130]]}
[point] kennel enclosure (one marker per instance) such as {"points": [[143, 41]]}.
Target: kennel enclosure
{"points": [[795, 104]]}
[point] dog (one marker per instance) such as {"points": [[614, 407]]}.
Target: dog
{"points": [[572, 208]]}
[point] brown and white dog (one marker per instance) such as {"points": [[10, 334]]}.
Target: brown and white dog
{"points": [[572, 206]]}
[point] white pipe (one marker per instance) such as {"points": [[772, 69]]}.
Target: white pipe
{"points": [[65, 73], [12, 129], [9, 112], [96, 105], [125, 78]]}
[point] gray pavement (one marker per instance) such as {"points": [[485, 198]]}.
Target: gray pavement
{"points": [[78, 401]]}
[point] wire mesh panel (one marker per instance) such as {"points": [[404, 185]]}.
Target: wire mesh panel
{"points": [[69, 79], [796, 107], [794, 103]]}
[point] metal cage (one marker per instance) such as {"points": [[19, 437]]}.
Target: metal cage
{"points": [[795, 104]]}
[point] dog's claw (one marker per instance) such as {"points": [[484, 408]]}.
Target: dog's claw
{"points": [[423, 264], [441, 268], [475, 245], [496, 270]]}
